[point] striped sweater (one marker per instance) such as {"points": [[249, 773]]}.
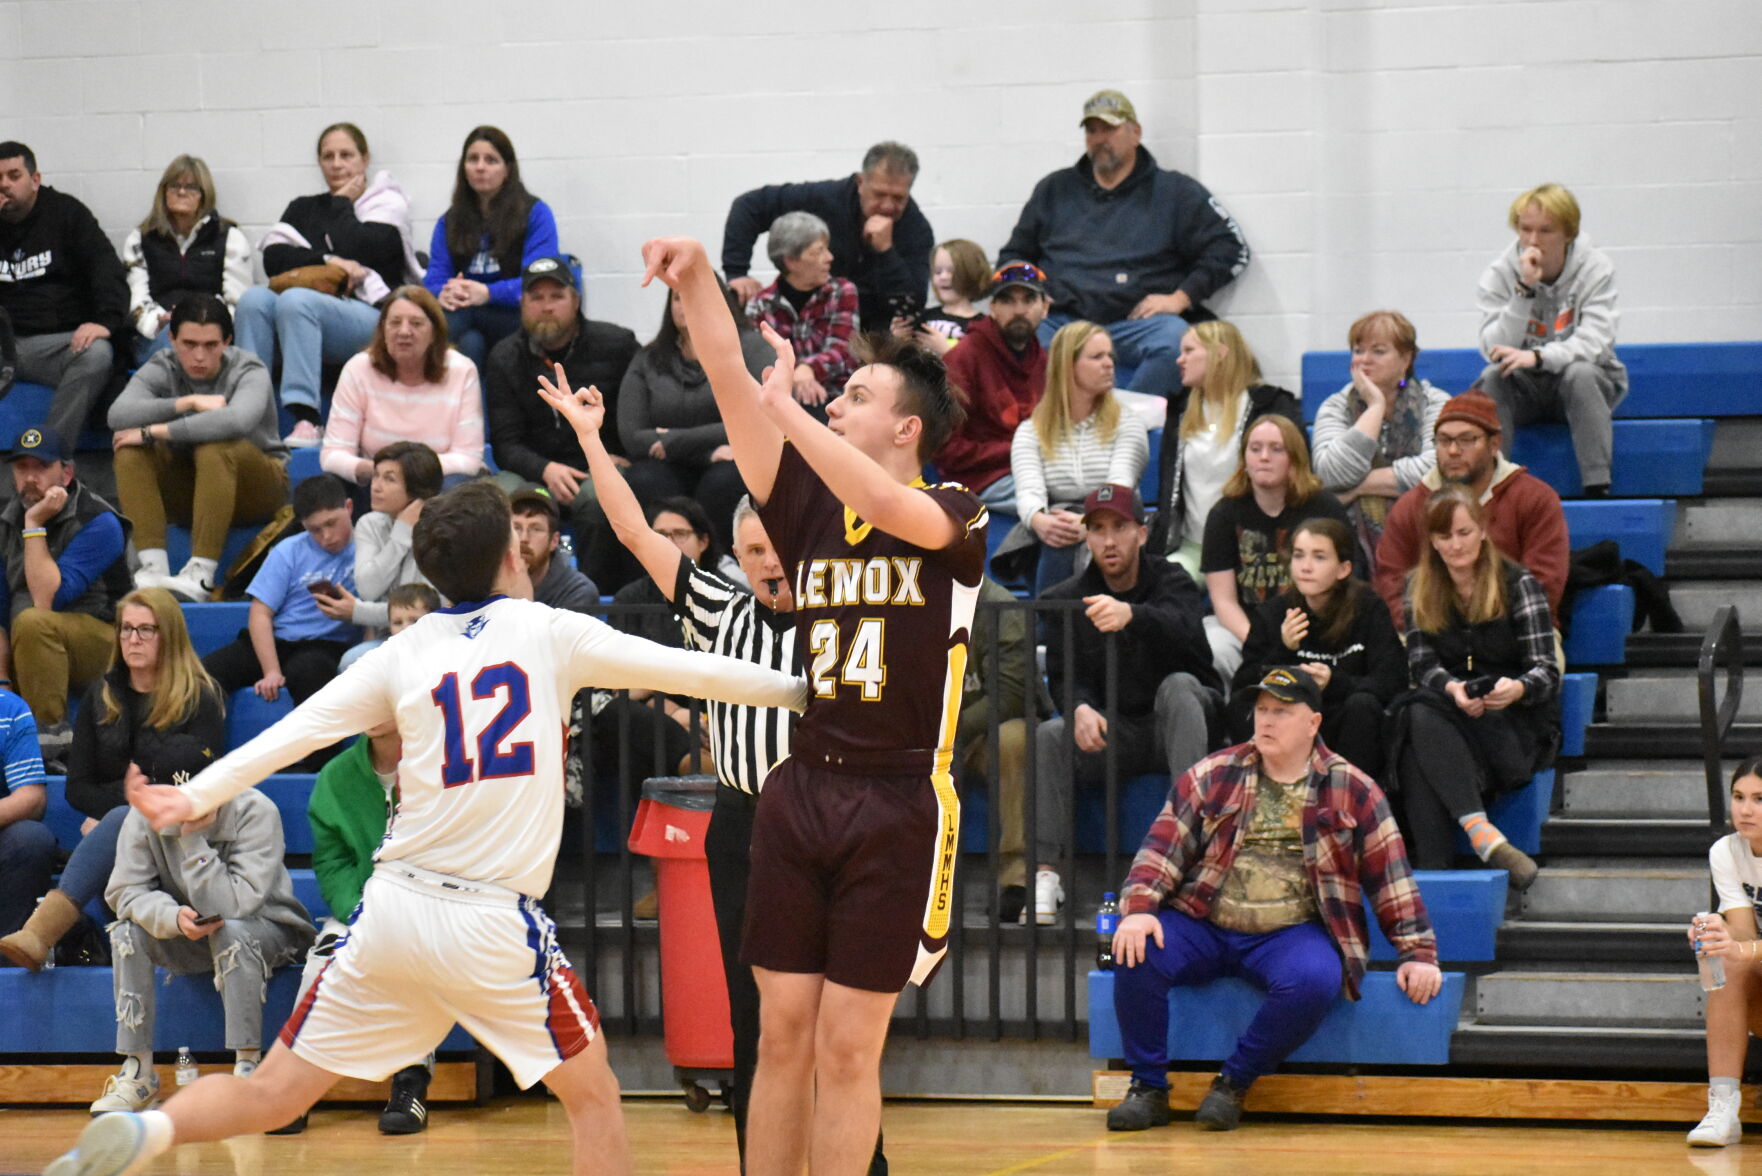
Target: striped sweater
{"points": [[1084, 462]]}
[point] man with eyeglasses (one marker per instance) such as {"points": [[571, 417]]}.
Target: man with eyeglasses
{"points": [[62, 550], [554, 582], [1523, 512], [1001, 367], [64, 289]]}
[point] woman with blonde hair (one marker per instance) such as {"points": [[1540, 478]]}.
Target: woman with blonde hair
{"points": [[184, 246], [1485, 716], [155, 707], [1221, 395], [1077, 438]]}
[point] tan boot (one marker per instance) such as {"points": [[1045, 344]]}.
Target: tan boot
{"points": [[31, 944]]}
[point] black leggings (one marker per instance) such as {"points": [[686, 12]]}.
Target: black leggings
{"points": [[1443, 778]]}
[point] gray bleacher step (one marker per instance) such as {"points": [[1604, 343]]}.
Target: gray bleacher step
{"points": [[1623, 944], [1696, 602], [1647, 697], [1720, 521], [1628, 893], [1736, 442], [1672, 789], [1629, 836], [1567, 1050], [1640, 1000]]}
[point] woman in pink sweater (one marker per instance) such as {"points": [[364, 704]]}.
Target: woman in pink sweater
{"points": [[407, 386]]}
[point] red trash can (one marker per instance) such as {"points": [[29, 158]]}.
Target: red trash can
{"points": [[671, 823]]}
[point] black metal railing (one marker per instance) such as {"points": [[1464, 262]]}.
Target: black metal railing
{"points": [[982, 948], [1723, 642]]}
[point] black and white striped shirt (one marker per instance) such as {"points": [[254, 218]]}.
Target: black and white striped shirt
{"points": [[717, 617]]}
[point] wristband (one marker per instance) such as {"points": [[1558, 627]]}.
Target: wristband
{"points": [[1526, 291], [34, 533], [1537, 352], [146, 435]]}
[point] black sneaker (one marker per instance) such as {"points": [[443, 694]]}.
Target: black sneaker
{"points": [[405, 1112], [297, 1127], [1143, 1107], [1010, 902], [1221, 1109]]}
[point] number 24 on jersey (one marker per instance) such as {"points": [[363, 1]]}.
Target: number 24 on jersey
{"points": [[865, 663]]}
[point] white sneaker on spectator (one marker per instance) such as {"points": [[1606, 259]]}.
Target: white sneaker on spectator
{"points": [[1049, 896], [154, 569], [1721, 1125], [127, 1090], [194, 583], [305, 435], [243, 1068]]}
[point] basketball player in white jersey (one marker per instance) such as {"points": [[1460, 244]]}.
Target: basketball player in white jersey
{"points": [[449, 927]]}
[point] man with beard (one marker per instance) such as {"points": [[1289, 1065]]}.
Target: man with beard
{"points": [[1130, 245], [1001, 368], [1523, 513], [533, 446], [61, 573], [554, 582]]}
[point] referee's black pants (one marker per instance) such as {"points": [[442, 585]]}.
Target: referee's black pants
{"points": [[728, 848]]}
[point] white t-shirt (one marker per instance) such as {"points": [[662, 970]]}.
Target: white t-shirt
{"points": [[1737, 875], [481, 695], [1208, 458]]}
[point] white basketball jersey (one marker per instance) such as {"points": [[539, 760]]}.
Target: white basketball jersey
{"points": [[481, 694]]}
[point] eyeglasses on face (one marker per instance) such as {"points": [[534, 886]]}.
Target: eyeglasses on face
{"points": [[184, 189], [1459, 441], [137, 632]]}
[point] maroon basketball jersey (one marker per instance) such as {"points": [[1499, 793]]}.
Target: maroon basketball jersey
{"points": [[882, 625]]}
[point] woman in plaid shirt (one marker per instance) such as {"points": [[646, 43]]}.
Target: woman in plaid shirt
{"points": [[1258, 865], [806, 305]]}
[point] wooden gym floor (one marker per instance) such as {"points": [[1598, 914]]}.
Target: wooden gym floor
{"points": [[526, 1135]]}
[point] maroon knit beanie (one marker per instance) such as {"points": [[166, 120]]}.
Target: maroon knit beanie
{"points": [[1473, 407]]}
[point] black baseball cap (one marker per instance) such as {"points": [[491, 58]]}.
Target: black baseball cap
{"points": [[528, 501], [1289, 685], [42, 444], [547, 269]]}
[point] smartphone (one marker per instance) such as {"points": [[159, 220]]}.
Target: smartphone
{"points": [[322, 588], [1479, 687], [905, 306], [205, 920]]}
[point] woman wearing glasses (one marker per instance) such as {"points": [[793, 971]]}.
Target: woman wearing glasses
{"points": [[183, 247], [155, 706]]}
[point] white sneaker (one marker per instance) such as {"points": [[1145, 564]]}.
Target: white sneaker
{"points": [[194, 583], [154, 571], [1721, 1126], [305, 435], [125, 1091], [243, 1068], [1049, 896], [111, 1145]]}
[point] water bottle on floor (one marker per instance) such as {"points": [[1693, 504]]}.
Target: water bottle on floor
{"points": [[1107, 921], [1712, 967], [186, 1066]]}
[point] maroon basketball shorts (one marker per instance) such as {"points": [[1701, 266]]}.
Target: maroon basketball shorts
{"points": [[852, 876]]}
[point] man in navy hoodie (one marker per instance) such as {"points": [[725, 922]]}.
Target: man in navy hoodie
{"points": [[1130, 245], [64, 288]]}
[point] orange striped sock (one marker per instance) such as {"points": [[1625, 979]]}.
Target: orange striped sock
{"points": [[1483, 836]]}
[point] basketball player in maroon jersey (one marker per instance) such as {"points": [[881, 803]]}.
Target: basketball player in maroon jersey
{"points": [[855, 838]]}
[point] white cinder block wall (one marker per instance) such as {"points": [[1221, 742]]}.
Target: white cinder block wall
{"points": [[1368, 149]]}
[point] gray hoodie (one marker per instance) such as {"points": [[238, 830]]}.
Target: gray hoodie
{"points": [[152, 393], [232, 869], [1571, 318]]}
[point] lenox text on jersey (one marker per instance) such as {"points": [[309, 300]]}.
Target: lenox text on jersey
{"points": [[878, 580]]}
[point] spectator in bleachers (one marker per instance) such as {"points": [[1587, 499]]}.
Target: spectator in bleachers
{"points": [[879, 238], [1331, 626], [491, 231], [331, 259], [155, 707], [196, 440], [63, 287], [289, 641], [1222, 886], [1167, 698], [1485, 714], [406, 474], [27, 845], [669, 423], [684, 523], [1007, 710], [960, 276], [1001, 370], [1548, 323], [1373, 438], [1221, 396], [1077, 438], [215, 898], [1132, 246], [554, 582], [63, 550], [1246, 559], [407, 386], [532, 445], [1523, 513], [810, 306], [184, 247]]}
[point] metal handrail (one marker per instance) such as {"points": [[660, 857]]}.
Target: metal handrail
{"points": [[1724, 640]]}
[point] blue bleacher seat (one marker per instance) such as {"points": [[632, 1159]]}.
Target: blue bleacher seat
{"points": [[302, 464], [62, 818], [291, 791], [1642, 526], [1382, 1028], [177, 544], [214, 624], [27, 404], [306, 890], [1520, 814], [1653, 459], [1465, 906], [1578, 697], [1140, 799], [1602, 617], [1150, 483], [248, 716]]}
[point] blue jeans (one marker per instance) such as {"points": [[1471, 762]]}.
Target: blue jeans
{"points": [[1055, 566], [88, 871], [1000, 495], [476, 329], [27, 854], [1144, 350], [1297, 966], [310, 330], [146, 349]]}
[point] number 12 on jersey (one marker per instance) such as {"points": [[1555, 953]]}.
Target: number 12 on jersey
{"points": [[865, 663], [493, 760]]}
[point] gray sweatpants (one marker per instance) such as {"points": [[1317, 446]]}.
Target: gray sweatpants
{"points": [[1583, 395], [78, 378], [242, 955]]}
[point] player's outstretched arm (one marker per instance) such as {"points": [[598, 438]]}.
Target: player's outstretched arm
{"points": [[854, 478], [585, 410], [757, 441], [606, 659]]}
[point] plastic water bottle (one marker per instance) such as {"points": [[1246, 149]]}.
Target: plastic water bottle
{"points": [[566, 549], [186, 1066], [1107, 921], [1712, 967]]}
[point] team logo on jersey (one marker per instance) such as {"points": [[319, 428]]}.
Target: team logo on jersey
{"points": [[475, 626]]}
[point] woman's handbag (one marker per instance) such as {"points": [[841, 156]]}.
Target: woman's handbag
{"points": [[326, 279]]}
